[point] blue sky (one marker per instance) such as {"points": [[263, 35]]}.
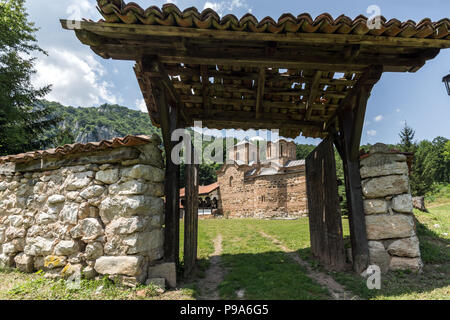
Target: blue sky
{"points": [[80, 78]]}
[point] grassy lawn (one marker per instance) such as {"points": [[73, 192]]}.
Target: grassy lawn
{"points": [[257, 269]]}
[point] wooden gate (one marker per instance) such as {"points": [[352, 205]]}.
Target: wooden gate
{"points": [[325, 223]]}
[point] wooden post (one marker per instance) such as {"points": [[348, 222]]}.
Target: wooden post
{"points": [[357, 222], [169, 119], [167, 103], [191, 216], [351, 121]]}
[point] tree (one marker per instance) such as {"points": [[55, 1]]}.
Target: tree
{"points": [[22, 118], [407, 139]]}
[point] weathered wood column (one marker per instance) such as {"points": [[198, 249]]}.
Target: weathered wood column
{"points": [[171, 118], [191, 215], [351, 120]]}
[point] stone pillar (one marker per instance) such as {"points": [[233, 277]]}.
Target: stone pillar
{"points": [[391, 230]]}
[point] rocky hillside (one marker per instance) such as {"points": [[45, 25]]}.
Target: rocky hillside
{"points": [[98, 123]]}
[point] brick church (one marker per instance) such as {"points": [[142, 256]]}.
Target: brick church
{"points": [[271, 188]]}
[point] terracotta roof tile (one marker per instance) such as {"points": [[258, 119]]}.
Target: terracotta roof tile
{"points": [[202, 189], [117, 11], [127, 141]]}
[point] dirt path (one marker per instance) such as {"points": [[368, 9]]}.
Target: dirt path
{"points": [[214, 275], [438, 205], [336, 291]]}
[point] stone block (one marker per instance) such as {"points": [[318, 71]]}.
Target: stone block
{"points": [[146, 172], [164, 270], [39, 246], [401, 263], [87, 229], [408, 247], [384, 226], [109, 176], [402, 203], [69, 213], [130, 206], [385, 186], [124, 265], [375, 206], [92, 192], [6, 261], [56, 199], [24, 262], [393, 168], [52, 262], [66, 248]]}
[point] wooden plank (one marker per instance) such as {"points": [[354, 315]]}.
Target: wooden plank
{"points": [[327, 243], [311, 38], [357, 222], [260, 93], [314, 89], [191, 217]]}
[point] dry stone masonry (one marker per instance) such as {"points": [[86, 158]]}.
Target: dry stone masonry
{"points": [[96, 213], [390, 223]]}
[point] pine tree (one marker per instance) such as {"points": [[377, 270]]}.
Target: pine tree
{"points": [[407, 139], [22, 119]]}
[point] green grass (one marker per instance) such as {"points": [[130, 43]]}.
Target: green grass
{"points": [[256, 266], [15, 285]]}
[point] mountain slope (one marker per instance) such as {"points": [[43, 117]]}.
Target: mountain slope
{"points": [[99, 123]]}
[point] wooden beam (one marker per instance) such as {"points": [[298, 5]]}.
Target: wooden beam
{"points": [[315, 60], [205, 87], [357, 222], [260, 92], [358, 121], [366, 82], [169, 122], [314, 89], [191, 216], [152, 66], [308, 38]]}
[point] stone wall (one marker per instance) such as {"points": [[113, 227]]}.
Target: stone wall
{"points": [[271, 196], [97, 213], [390, 223]]}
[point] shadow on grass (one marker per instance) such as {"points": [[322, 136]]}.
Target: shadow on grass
{"points": [[432, 283], [263, 276]]}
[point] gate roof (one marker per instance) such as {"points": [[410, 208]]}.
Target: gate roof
{"points": [[293, 74]]}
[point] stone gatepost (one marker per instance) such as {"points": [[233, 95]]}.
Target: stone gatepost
{"points": [[390, 223]]}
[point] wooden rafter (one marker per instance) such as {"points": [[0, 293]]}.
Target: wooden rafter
{"points": [[315, 83], [205, 87], [260, 93]]}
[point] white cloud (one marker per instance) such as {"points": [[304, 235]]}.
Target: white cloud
{"points": [[378, 118], [141, 105], [76, 79], [372, 133], [78, 9], [226, 6], [398, 110]]}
